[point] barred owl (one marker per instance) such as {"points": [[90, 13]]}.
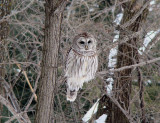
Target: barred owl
{"points": [[81, 63]]}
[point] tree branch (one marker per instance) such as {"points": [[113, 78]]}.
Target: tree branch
{"points": [[11, 109], [128, 67]]}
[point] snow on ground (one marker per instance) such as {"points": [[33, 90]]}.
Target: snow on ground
{"points": [[101, 119], [149, 36], [91, 112]]}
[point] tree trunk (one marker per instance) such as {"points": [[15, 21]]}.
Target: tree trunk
{"points": [[53, 19], [127, 55], [4, 30]]}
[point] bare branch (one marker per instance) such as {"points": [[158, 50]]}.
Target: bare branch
{"points": [[131, 66], [12, 110]]}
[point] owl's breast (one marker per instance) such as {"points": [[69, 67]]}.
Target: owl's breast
{"points": [[88, 68], [81, 67], [85, 66]]}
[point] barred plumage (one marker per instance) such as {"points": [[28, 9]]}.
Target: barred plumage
{"points": [[81, 64]]}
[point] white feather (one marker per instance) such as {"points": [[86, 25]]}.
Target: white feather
{"points": [[80, 69]]}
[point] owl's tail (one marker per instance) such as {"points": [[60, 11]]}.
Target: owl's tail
{"points": [[71, 95]]}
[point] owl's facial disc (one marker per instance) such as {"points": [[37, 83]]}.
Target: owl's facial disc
{"points": [[81, 43], [86, 44]]}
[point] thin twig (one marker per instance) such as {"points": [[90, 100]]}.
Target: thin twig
{"points": [[11, 109], [25, 74]]}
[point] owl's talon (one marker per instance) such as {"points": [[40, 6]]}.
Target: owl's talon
{"points": [[72, 92]]}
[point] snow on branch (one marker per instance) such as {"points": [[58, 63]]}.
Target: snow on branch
{"points": [[148, 38]]}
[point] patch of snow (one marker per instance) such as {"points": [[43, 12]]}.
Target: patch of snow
{"points": [[150, 9], [101, 119], [113, 52], [109, 86], [112, 60], [91, 112], [116, 37], [110, 79], [152, 2], [96, 5], [148, 82], [118, 18], [150, 35], [17, 70], [91, 9], [13, 11], [104, 106]]}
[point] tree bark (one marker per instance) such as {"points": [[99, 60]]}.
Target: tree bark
{"points": [[47, 87], [127, 55], [4, 30]]}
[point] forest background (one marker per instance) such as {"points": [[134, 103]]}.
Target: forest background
{"points": [[35, 36]]}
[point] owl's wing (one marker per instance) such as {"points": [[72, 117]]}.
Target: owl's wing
{"points": [[66, 59]]}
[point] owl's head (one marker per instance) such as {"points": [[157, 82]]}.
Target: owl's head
{"points": [[84, 42]]}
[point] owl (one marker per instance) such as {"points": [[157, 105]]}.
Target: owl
{"points": [[81, 63]]}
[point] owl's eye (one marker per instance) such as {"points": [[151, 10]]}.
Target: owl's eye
{"points": [[89, 41], [81, 42]]}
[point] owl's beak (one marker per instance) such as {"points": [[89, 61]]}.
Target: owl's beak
{"points": [[86, 47]]}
